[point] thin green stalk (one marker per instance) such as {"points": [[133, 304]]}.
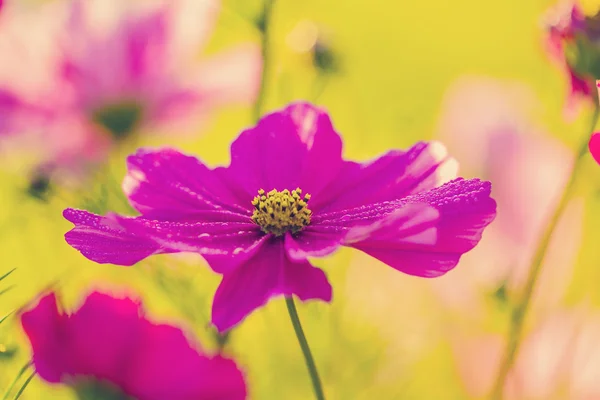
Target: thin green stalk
{"points": [[7, 274], [25, 384], [14, 382], [520, 311], [310, 362], [5, 317], [264, 25]]}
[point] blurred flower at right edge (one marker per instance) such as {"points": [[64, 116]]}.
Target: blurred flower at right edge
{"points": [[594, 143], [573, 42], [484, 123]]}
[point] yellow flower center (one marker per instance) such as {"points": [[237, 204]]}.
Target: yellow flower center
{"points": [[280, 212]]}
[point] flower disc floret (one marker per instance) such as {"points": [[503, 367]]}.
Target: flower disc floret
{"points": [[280, 212]]}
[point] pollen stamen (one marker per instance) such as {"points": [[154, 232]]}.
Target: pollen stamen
{"points": [[280, 212]]}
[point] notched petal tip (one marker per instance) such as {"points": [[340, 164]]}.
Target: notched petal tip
{"points": [[102, 239]]}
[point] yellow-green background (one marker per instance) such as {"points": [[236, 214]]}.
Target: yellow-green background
{"points": [[397, 60]]}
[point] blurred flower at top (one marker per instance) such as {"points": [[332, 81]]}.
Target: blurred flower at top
{"points": [[109, 349], [559, 359], [574, 42], [483, 122], [106, 69]]}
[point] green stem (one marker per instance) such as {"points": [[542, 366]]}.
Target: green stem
{"points": [[14, 382], [520, 311], [25, 384], [310, 362], [265, 29]]}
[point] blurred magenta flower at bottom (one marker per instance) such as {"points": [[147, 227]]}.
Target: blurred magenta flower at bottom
{"points": [[109, 349], [288, 196]]}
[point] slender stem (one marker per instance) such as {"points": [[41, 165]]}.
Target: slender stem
{"points": [[14, 382], [264, 24], [520, 311], [310, 362], [25, 384]]}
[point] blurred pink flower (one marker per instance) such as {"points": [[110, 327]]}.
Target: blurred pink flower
{"points": [[594, 146], [117, 67], [559, 359], [92, 348], [572, 41], [484, 125]]}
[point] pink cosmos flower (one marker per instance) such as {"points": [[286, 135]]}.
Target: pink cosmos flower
{"points": [[529, 170], [573, 41], [113, 66], [287, 196], [109, 349]]}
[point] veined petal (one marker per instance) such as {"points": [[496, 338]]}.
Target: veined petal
{"points": [[392, 176], [293, 147], [436, 227], [269, 273], [104, 241], [126, 240], [166, 184]]}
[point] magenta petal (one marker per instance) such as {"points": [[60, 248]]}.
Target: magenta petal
{"points": [[248, 287], [306, 282], [313, 241], [127, 240], [465, 207], [95, 345], [166, 183], [427, 236], [399, 238], [392, 176], [103, 241], [190, 375], [269, 273], [323, 159], [85, 343], [594, 146], [293, 147], [110, 339], [42, 326], [225, 244]]}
